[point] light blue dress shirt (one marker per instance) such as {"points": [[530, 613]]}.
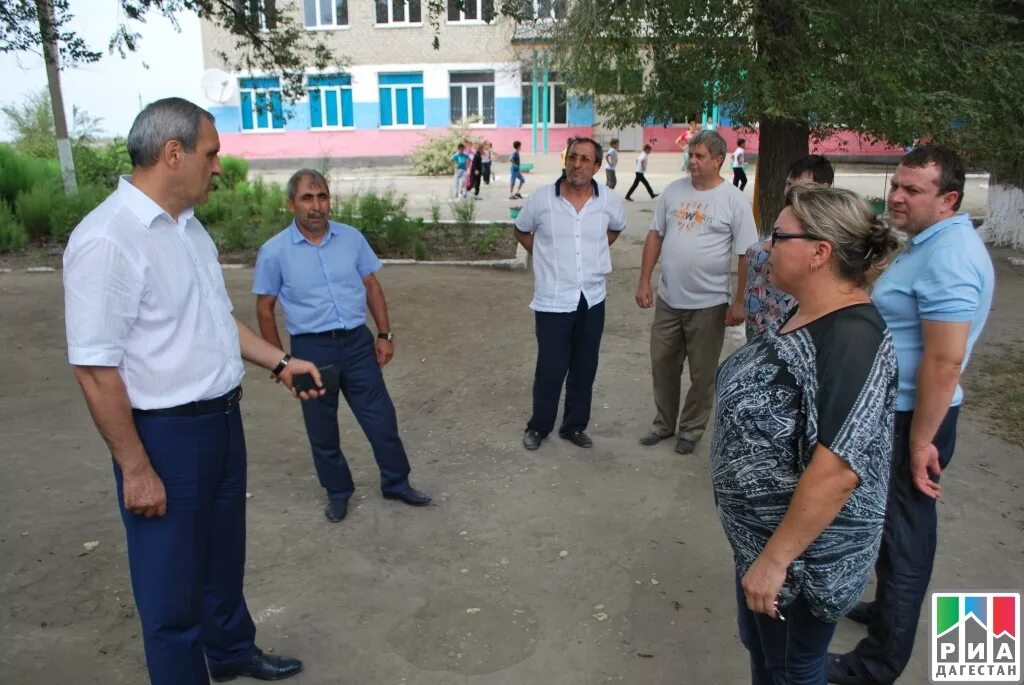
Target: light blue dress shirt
{"points": [[945, 275], [320, 287]]}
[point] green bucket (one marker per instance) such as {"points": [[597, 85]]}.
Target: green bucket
{"points": [[513, 212]]}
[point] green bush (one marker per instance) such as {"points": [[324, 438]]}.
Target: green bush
{"points": [[34, 208], [68, 211], [232, 171], [102, 166], [382, 219], [12, 234], [433, 157], [20, 173], [244, 215]]}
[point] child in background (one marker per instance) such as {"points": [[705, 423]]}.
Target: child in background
{"points": [[515, 173], [460, 159], [739, 176]]}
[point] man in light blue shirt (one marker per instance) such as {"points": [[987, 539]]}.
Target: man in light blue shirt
{"points": [[323, 274], [935, 298]]}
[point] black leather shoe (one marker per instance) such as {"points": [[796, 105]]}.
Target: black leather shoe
{"points": [[262, 667], [862, 613], [336, 510], [579, 438], [410, 496], [684, 446], [532, 439]]}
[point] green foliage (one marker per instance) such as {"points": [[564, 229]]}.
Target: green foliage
{"points": [[487, 242], [463, 210], [419, 252], [244, 215], [20, 173], [382, 218], [12, 234], [34, 208], [102, 166], [433, 157], [68, 211], [32, 124], [435, 209], [233, 170]]}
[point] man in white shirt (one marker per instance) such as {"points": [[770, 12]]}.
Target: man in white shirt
{"points": [[611, 159], [699, 224], [568, 227], [158, 353]]}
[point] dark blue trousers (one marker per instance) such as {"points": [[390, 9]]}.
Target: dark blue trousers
{"points": [[187, 565], [567, 343], [790, 652], [362, 384], [905, 559]]}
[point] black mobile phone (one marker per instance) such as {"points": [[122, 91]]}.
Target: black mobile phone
{"points": [[328, 374]]}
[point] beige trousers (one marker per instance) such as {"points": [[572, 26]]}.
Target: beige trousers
{"points": [[678, 335]]}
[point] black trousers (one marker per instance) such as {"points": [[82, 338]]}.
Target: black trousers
{"points": [[905, 559], [567, 343], [610, 180], [640, 178], [474, 182], [486, 172], [739, 177]]}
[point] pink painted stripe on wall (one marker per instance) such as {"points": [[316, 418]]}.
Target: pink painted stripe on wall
{"points": [[375, 142], [662, 139]]}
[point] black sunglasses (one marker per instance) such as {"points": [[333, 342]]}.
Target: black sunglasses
{"points": [[779, 235]]}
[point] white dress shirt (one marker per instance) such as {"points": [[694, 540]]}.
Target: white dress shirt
{"points": [[145, 293], [570, 248]]}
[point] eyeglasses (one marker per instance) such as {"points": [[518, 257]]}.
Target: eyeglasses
{"points": [[779, 235], [579, 158]]}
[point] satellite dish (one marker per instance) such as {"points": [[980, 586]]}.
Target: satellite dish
{"points": [[218, 86]]}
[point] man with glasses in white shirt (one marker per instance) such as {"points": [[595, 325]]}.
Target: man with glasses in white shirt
{"points": [[569, 227], [158, 353]]}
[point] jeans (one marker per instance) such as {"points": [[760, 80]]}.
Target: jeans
{"points": [[905, 559], [460, 182], [790, 652], [187, 565], [362, 384], [514, 174], [567, 343]]}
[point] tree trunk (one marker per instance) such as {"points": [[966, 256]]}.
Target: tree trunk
{"points": [[780, 144], [48, 33], [1004, 225]]}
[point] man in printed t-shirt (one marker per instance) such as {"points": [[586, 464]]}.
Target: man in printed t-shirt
{"points": [[699, 224]]}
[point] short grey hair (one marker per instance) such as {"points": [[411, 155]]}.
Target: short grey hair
{"points": [[711, 140], [163, 121], [314, 176]]}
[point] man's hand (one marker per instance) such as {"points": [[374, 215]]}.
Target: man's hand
{"points": [[644, 296], [297, 367], [735, 314], [924, 463], [762, 584], [144, 492], [385, 350]]}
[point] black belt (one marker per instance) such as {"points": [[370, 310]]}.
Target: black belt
{"points": [[334, 335], [218, 405]]}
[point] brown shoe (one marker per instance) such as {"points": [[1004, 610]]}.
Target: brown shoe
{"points": [[653, 438]]}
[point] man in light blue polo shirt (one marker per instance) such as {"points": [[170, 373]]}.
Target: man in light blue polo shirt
{"points": [[323, 274], [934, 298]]}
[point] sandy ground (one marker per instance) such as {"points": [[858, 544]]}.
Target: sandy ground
{"points": [[556, 567]]}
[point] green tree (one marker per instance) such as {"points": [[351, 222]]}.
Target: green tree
{"points": [[894, 70], [32, 124], [265, 35]]}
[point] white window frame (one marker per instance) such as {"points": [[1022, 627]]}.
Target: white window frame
{"points": [[462, 14], [550, 17], [551, 102], [394, 23], [256, 128], [337, 91], [334, 13], [394, 105], [479, 85]]}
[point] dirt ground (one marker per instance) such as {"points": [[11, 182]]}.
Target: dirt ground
{"points": [[556, 567]]}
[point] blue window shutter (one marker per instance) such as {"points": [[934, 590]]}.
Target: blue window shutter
{"points": [[402, 105], [332, 107], [417, 106], [261, 110], [400, 79], [385, 107], [277, 109], [246, 111], [346, 107], [314, 109]]}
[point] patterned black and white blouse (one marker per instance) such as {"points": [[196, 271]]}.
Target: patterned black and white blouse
{"points": [[832, 382]]}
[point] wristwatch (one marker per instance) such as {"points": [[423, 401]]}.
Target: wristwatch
{"points": [[281, 364], [389, 336]]}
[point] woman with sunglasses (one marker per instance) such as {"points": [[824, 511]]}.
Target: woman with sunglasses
{"points": [[803, 437]]}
